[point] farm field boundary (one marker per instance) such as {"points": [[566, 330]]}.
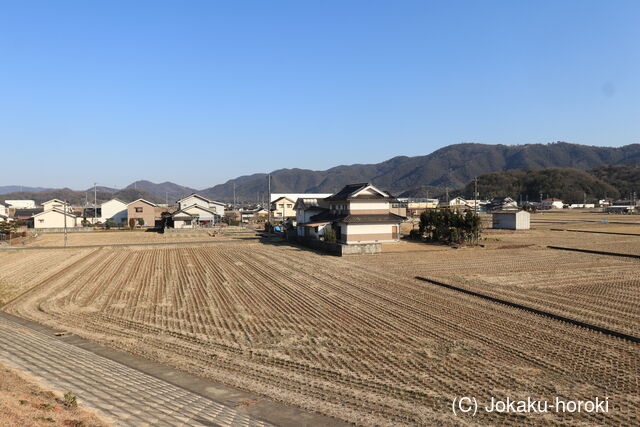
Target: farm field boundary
{"points": [[596, 232], [189, 242], [591, 251], [534, 310]]}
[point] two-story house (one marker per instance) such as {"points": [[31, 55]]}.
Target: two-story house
{"points": [[361, 213]]}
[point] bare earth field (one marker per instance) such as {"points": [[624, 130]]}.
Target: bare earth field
{"points": [[360, 338], [131, 237], [23, 403]]}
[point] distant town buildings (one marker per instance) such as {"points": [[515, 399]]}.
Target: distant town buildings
{"points": [[551, 203]]}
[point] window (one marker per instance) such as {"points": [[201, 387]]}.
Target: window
{"points": [[187, 222], [289, 205], [40, 220], [281, 205], [138, 210]]}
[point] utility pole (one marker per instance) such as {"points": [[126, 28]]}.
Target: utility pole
{"points": [[64, 210], [234, 195], [269, 202], [475, 194], [95, 203]]}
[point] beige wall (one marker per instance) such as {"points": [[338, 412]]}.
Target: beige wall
{"points": [[148, 213], [53, 219], [361, 233], [287, 209]]}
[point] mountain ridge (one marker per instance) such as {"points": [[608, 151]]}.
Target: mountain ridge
{"points": [[448, 168]]}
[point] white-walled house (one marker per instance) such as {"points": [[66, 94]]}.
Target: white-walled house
{"points": [[305, 209], [552, 203], [21, 204], [196, 199], [4, 214], [360, 213], [194, 216], [295, 196], [55, 218], [115, 210], [57, 204]]}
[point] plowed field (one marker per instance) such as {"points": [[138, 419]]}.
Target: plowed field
{"points": [[360, 338]]}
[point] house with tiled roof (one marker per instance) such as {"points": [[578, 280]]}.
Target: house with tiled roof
{"points": [[359, 213]]}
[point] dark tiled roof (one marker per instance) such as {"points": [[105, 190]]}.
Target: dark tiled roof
{"points": [[346, 191], [326, 215], [27, 212]]}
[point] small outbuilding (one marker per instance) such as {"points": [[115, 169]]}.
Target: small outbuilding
{"points": [[512, 220]]}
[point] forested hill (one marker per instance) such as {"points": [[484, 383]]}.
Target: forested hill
{"points": [[452, 166], [570, 185]]}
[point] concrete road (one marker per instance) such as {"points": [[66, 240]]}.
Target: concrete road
{"points": [[125, 395]]}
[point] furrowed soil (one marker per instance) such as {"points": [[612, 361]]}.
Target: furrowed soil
{"points": [[360, 338]]}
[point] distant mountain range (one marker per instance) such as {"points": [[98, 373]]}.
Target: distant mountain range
{"points": [[451, 167], [18, 188], [165, 190]]}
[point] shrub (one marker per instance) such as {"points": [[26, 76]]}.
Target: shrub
{"points": [[450, 226], [329, 234], [70, 400]]}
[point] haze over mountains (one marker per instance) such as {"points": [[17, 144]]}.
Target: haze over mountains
{"points": [[452, 167]]}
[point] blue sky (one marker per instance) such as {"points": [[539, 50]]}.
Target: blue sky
{"points": [[198, 92]]}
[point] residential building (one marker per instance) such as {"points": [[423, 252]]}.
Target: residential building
{"points": [[21, 204], [455, 203], [551, 203], [305, 209], [3, 210], [511, 220], [253, 215], [115, 210], [55, 218], [501, 204], [25, 214], [143, 210], [57, 204], [416, 207], [360, 213], [295, 196], [194, 216], [196, 199], [282, 209], [582, 206]]}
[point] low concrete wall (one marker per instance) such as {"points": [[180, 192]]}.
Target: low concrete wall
{"points": [[337, 248], [61, 230], [361, 249]]}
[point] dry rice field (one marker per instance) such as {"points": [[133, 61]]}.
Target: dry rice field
{"points": [[359, 338], [132, 237]]}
